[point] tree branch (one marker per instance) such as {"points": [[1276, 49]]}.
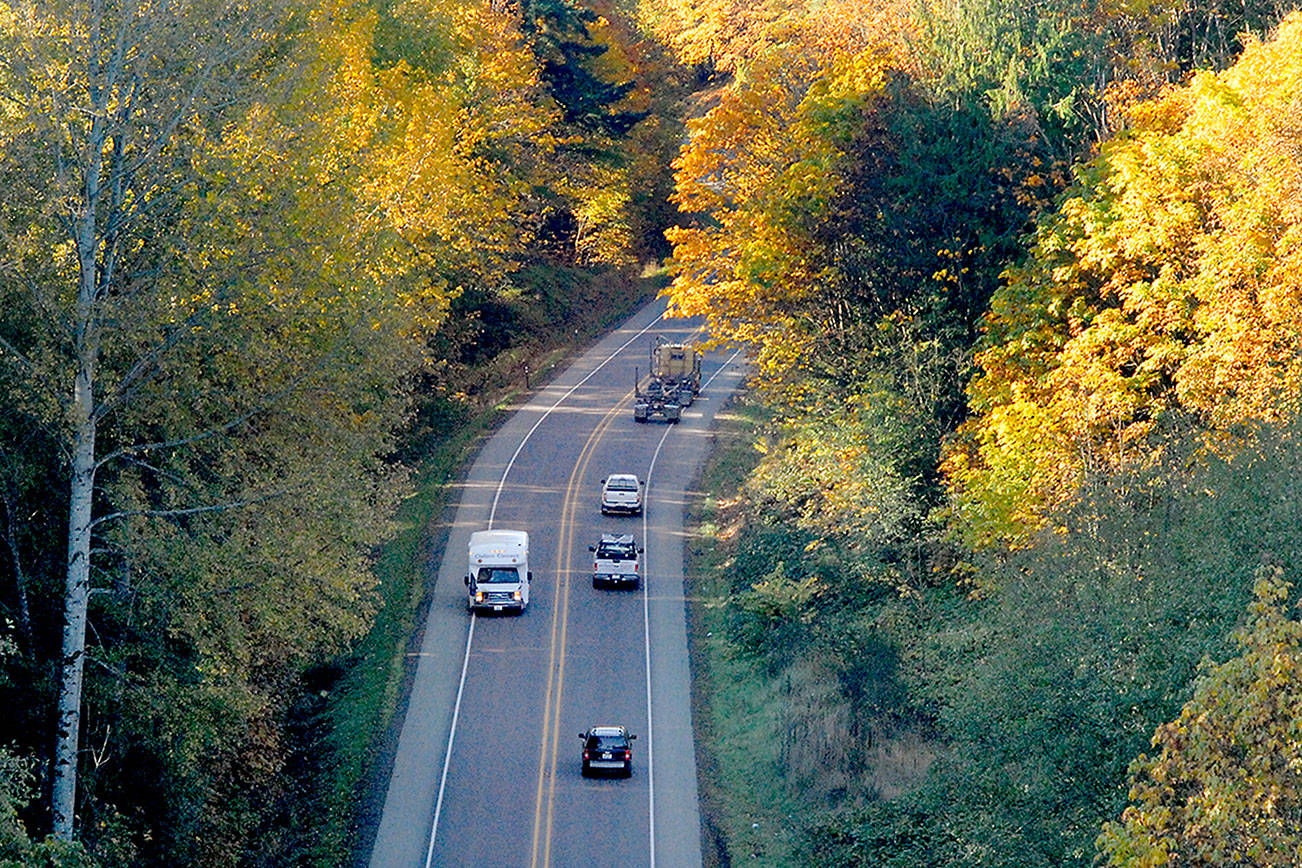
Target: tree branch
{"points": [[193, 510], [225, 427]]}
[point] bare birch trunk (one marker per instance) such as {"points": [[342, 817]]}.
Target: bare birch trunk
{"points": [[63, 794], [81, 487]]}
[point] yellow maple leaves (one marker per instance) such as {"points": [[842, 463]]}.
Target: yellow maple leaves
{"points": [[1168, 281], [760, 168], [1226, 784]]}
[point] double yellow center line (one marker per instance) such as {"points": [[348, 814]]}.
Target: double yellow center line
{"points": [[544, 800]]}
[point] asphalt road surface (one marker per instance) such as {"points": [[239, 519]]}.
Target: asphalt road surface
{"points": [[486, 771]]}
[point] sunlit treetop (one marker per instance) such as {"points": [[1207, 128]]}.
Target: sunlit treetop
{"points": [[1167, 281]]}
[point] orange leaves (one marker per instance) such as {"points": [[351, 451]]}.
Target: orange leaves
{"points": [[731, 34], [760, 172], [722, 32], [1168, 280]]}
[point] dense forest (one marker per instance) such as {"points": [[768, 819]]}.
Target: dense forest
{"points": [[257, 261], [999, 553], [1007, 580]]}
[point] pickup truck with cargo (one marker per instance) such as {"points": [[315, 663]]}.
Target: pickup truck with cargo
{"points": [[615, 561]]}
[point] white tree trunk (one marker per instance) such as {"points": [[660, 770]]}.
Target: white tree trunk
{"points": [[111, 135], [81, 497], [76, 602]]}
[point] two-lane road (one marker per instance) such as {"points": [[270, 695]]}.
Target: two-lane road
{"points": [[487, 766]]}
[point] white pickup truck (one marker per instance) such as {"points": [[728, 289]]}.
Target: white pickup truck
{"points": [[615, 561], [621, 492]]}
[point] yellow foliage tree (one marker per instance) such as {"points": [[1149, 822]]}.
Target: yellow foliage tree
{"points": [[760, 169], [729, 34], [723, 33], [1168, 280], [454, 144]]}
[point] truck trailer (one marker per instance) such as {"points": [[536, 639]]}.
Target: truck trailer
{"points": [[655, 402], [677, 368]]}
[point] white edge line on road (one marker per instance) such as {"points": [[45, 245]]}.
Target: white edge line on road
{"points": [[646, 646], [447, 757], [465, 660], [492, 513], [646, 628]]}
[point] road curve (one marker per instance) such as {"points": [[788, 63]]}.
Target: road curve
{"points": [[486, 768]]}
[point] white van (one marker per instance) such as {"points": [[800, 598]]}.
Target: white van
{"points": [[498, 576]]}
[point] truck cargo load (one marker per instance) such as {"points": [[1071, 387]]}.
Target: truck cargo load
{"points": [[676, 367]]}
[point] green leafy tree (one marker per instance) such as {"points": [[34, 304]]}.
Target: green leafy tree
{"points": [[101, 145], [1226, 786], [560, 32], [218, 367], [1047, 679]]}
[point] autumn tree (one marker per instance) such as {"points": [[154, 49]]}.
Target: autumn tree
{"points": [[192, 333], [103, 136], [850, 227], [725, 34], [1225, 787], [1165, 281]]}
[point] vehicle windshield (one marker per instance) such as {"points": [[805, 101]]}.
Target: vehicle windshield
{"points": [[497, 575], [622, 485], [607, 742], [615, 551]]}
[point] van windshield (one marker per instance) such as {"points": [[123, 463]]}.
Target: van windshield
{"points": [[497, 575]]}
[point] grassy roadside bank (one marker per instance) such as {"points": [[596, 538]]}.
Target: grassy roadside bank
{"points": [[737, 708], [352, 725]]}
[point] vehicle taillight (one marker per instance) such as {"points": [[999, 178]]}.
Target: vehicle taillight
{"points": [[594, 566], [479, 597], [517, 596], [585, 754], [628, 754]]}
